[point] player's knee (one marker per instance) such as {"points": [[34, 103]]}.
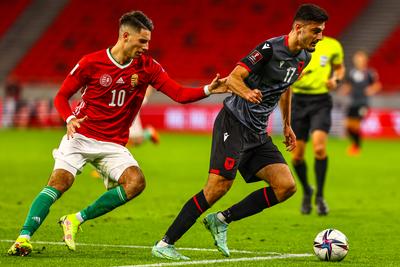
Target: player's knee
{"points": [[214, 191], [297, 161], [286, 189], [320, 152], [61, 180], [134, 184]]}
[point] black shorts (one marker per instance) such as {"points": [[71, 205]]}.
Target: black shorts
{"points": [[309, 113], [234, 147], [357, 112]]}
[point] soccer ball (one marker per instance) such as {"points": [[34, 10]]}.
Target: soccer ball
{"points": [[331, 245]]}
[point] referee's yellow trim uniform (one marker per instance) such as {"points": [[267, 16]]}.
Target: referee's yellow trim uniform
{"points": [[313, 80]]}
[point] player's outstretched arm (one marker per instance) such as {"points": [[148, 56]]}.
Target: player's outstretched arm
{"points": [[285, 106], [218, 85], [184, 95], [235, 83]]}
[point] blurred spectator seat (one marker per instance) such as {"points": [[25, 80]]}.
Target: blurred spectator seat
{"points": [[192, 39], [386, 60]]}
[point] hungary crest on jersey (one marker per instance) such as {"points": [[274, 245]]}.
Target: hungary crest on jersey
{"points": [[134, 80]]}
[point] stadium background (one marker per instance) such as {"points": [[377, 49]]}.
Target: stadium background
{"points": [[41, 41]]}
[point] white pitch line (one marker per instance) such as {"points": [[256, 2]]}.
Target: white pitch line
{"points": [[283, 256], [143, 247]]}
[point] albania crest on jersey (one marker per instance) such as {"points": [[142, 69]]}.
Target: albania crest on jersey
{"points": [[229, 163], [105, 80], [134, 80]]}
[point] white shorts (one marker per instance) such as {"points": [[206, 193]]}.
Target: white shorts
{"points": [[108, 158]]}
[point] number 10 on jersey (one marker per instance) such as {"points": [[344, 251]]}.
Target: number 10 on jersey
{"points": [[120, 98]]}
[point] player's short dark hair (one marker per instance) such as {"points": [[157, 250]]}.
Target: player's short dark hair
{"points": [[137, 20], [311, 12]]}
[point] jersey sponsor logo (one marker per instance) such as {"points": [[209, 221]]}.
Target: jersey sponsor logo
{"points": [[226, 135], [266, 46], [254, 57], [120, 81], [229, 163], [134, 80], [105, 80]]}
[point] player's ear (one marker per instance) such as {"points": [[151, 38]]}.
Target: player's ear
{"points": [[297, 25], [125, 35]]}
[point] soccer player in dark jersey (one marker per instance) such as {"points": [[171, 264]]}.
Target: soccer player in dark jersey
{"points": [[311, 109], [113, 83], [240, 141], [361, 83]]}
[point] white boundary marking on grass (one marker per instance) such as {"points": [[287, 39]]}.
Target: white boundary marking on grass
{"points": [[283, 256], [141, 247]]}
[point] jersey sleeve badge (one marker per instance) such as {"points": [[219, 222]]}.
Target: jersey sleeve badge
{"points": [[254, 57]]}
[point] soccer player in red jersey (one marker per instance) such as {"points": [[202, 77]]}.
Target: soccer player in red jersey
{"points": [[113, 83]]}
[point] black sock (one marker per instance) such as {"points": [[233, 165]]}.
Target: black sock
{"points": [[320, 172], [192, 210], [355, 137], [300, 168], [252, 204]]}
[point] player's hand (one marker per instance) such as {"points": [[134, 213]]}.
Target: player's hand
{"points": [[290, 138], [331, 83], [73, 124], [254, 96], [218, 86]]}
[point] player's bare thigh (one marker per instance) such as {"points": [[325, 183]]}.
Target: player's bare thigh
{"points": [[298, 152], [133, 182], [216, 187], [279, 177], [61, 180]]}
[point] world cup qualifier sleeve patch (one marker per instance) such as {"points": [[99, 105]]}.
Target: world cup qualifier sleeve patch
{"points": [[254, 57], [254, 61]]}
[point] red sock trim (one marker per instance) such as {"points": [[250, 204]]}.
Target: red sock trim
{"points": [[266, 196], [197, 204]]}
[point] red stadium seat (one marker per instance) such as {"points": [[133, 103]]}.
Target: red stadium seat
{"points": [[386, 60], [10, 10], [192, 39]]}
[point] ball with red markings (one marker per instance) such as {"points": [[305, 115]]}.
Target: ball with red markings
{"points": [[331, 245]]}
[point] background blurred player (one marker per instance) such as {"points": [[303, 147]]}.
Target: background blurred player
{"points": [[311, 115], [114, 82], [240, 141], [138, 134], [361, 82]]}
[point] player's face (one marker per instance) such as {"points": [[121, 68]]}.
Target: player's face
{"points": [[360, 60], [310, 33], [136, 43]]}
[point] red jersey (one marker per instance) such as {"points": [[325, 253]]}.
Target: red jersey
{"points": [[112, 94]]}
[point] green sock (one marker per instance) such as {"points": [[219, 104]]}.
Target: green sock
{"points": [[146, 135], [39, 209], [105, 203]]}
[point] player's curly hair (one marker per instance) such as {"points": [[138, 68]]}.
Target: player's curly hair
{"points": [[311, 12], [137, 20]]}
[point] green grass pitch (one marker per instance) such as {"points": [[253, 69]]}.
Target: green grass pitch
{"points": [[362, 192]]}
